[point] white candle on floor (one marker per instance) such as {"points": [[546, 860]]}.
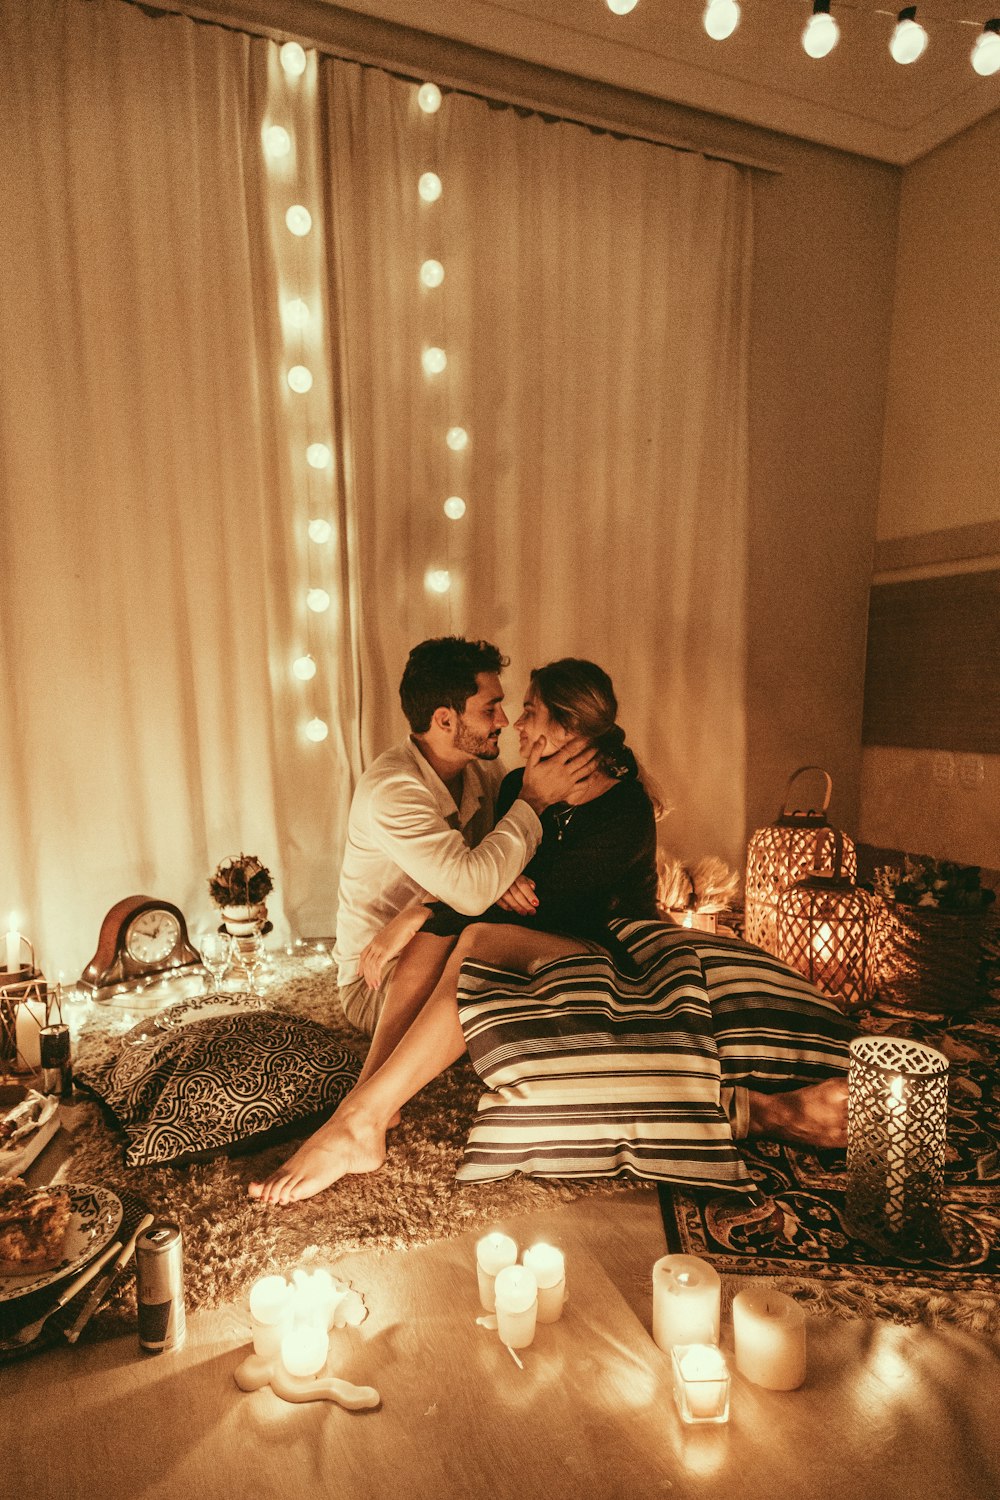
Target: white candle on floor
{"points": [[548, 1266], [304, 1349], [516, 1305], [769, 1334], [30, 1020], [702, 1383], [493, 1253], [687, 1295], [895, 1157], [271, 1301]]}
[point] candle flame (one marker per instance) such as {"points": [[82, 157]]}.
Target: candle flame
{"points": [[896, 1087]]}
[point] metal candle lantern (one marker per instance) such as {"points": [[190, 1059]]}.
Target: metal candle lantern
{"points": [[897, 1114], [784, 852], [825, 927]]}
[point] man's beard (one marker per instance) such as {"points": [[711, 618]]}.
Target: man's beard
{"points": [[482, 746]]}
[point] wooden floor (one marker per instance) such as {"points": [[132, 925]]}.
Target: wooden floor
{"points": [[886, 1412]]}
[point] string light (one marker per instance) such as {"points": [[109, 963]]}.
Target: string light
{"points": [[304, 668], [320, 531], [318, 601], [454, 507], [277, 141], [429, 187], [622, 7], [317, 730], [298, 219], [318, 456], [300, 379], [821, 32], [721, 19], [293, 60], [432, 273], [429, 98], [297, 313], [457, 439], [909, 40], [439, 580], [986, 52], [433, 361]]}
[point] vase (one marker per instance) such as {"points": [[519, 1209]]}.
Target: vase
{"points": [[244, 921], [930, 959]]}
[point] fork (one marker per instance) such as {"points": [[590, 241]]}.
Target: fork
{"points": [[30, 1331]]}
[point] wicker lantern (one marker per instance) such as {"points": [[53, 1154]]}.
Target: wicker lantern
{"points": [[825, 927], [784, 852]]}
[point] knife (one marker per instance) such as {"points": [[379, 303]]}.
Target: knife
{"points": [[101, 1288]]}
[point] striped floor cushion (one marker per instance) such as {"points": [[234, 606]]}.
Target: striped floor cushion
{"points": [[591, 1072]]}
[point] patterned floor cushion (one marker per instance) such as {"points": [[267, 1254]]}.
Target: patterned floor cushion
{"points": [[221, 1084], [591, 1072]]}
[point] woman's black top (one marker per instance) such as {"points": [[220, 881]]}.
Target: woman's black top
{"points": [[595, 862]]}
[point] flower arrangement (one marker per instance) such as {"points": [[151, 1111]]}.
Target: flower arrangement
{"points": [[709, 886], [240, 880], [936, 883]]}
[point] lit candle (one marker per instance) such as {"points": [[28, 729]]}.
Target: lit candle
{"points": [[687, 1295], [271, 1303], [895, 1156], [769, 1333], [516, 1306], [304, 1349], [701, 1383], [30, 1020], [495, 1252], [548, 1266], [13, 961]]}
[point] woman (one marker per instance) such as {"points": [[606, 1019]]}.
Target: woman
{"points": [[596, 862]]}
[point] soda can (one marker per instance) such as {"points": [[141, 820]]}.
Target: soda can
{"points": [[159, 1279]]}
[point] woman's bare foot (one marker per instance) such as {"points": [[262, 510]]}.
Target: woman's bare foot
{"points": [[348, 1142], [811, 1116]]}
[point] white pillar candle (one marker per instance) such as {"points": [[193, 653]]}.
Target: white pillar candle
{"points": [[895, 1156], [516, 1293], [701, 1382], [304, 1349], [271, 1301], [495, 1252], [687, 1296], [769, 1334], [13, 954], [30, 1020], [548, 1266]]}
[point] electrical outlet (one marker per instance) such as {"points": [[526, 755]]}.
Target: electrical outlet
{"points": [[943, 768], [971, 772]]}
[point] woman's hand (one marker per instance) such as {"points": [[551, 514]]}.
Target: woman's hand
{"points": [[520, 897], [392, 939]]}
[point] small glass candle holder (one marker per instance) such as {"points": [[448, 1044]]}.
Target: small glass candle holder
{"points": [[701, 1383]]}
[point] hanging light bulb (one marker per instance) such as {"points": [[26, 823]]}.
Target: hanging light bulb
{"points": [[821, 32], [457, 438], [429, 187], [429, 98], [304, 668], [318, 600], [317, 731], [277, 141], [721, 19], [622, 7], [432, 273], [300, 379], [909, 38], [454, 507], [317, 455], [433, 361], [298, 219], [293, 60], [320, 531], [297, 312], [986, 52], [439, 580]]}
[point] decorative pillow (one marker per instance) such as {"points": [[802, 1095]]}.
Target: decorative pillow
{"points": [[592, 1072], [229, 1082]]}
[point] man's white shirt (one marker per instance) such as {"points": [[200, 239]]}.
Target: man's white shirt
{"points": [[408, 840]]}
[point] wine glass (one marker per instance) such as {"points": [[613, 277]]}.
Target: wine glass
{"points": [[216, 952]]}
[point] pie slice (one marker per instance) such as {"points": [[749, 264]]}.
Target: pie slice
{"points": [[33, 1226]]}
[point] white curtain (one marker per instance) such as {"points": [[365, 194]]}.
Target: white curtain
{"points": [[154, 548]]}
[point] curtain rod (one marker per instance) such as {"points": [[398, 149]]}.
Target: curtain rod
{"points": [[349, 36]]}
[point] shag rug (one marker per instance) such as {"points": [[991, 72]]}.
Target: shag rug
{"points": [[229, 1241], [796, 1233]]}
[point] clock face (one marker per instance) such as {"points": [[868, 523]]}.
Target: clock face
{"points": [[152, 936]]}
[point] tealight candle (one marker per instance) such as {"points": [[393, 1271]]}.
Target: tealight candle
{"points": [[769, 1334], [495, 1252], [548, 1266], [516, 1306], [304, 1349], [687, 1297], [271, 1303], [701, 1382]]}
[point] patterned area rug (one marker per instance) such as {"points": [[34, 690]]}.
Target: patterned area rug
{"points": [[797, 1236]]}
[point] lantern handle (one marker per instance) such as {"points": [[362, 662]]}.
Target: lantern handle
{"points": [[811, 812], [835, 869]]}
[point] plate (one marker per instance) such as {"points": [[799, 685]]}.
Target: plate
{"points": [[95, 1215], [36, 1120], [201, 1008]]}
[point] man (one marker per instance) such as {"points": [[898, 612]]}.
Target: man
{"points": [[421, 823]]}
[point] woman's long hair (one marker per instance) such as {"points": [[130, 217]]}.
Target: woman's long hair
{"points": [[580, 696]]}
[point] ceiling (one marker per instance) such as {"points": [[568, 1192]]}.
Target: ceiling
{"points": [[857, 99]]}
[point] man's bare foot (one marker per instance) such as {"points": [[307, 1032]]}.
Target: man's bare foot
{"points": [[811, 1116], [347, 1143]]}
